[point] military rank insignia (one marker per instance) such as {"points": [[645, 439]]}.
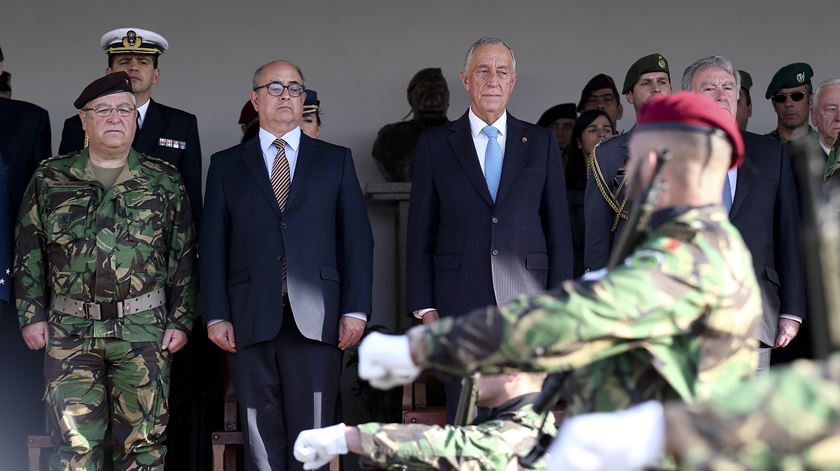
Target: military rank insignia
{"points": [[172, 143]]}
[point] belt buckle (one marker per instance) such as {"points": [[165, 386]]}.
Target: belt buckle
{"points": [[94, 314]]}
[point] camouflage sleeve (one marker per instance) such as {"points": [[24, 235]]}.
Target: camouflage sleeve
{"points": [[492, 445], [787, 419], [657, 293], [181, 286], [30, 268]]}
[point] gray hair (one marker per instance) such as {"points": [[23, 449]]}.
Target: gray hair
{"points": [[705, 63], [255, 81], [825, 83], [485, 40]]}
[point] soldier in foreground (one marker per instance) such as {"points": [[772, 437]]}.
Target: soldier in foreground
{"points": [[104, 280], [504, 430], [675, 320], [787, 419]]}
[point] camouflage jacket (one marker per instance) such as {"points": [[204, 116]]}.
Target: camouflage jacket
{"points": [[787, 419], [676, 320], [79, 240], [494, 444]]}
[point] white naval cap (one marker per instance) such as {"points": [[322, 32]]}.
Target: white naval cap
{"points": [[133, 41]]}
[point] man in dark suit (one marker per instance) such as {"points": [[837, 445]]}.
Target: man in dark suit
{"points": [[488, 217], [162, 131], [764, 207], [606, 202], [24, 142], [286, 269]]}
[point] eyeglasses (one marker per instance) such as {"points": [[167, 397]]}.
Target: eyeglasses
{"points": [[105, 111], [782, 97], [276, 88]]}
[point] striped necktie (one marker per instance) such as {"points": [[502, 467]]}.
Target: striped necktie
{"points": [[281, 177], [281, 181]]}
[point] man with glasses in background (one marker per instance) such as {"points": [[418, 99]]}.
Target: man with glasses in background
{"points": [[105, 253], [286, 269], [790, 94], [825, 113]]}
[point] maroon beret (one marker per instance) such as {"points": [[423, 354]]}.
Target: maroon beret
{"points": [[691, 111], [598, 82], [116, 82], [248, 114]]}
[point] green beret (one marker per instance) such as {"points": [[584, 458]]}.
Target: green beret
{"points": [[791, 75], [650, 63], [746, 80], [116, 82]]}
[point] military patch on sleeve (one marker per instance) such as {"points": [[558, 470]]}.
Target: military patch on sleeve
{"points": [[671, 245]]}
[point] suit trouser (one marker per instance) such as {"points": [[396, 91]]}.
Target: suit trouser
{"points": [[284, 386]]}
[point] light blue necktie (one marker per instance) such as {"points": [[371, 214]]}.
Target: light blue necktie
{"points": [[492, 161], [727, 194]]}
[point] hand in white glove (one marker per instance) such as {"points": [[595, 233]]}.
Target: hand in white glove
{"points": [[315, 448], [385, 361], [617, 441]]}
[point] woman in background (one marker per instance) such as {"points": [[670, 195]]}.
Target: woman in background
{"points": [[590, 128]]}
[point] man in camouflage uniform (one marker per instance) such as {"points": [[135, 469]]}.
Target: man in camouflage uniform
{"points": [[675, 320], [104, 279], [505, 429], [787, 419]]}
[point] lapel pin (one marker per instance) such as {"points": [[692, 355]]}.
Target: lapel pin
{"points": [[524, 140]]}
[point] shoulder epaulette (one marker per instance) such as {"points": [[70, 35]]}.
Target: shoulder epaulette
{"points": [[158, 160]]}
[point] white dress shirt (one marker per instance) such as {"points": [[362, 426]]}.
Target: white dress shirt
{"points": [[269, 150], [141, 113], [480, 139]]}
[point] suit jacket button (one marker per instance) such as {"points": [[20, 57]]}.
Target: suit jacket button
{"points": [[494, 220], [279, 258], [283, 226], [495, 252]]}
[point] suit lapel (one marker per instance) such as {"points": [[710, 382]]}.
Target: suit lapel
{"points": [[462, 145], [146, 139], [515, 144], [304, 167], [746, 175], [252, 157]]}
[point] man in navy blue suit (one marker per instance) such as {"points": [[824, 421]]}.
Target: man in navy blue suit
{"points": [[286, 269], [763, 205], [488, 217], [24, 142]]}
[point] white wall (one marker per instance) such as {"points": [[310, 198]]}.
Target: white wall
{"points": [[360, 54]]}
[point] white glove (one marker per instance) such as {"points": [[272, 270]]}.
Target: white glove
{"points": [[315, 448], [616, 441], [385, 361]]}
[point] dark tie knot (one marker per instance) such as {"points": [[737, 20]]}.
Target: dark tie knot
{"points": [[280, 144]]}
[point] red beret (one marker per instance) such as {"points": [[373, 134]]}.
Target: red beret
{"points": [[691, 111], [248, 114]]}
